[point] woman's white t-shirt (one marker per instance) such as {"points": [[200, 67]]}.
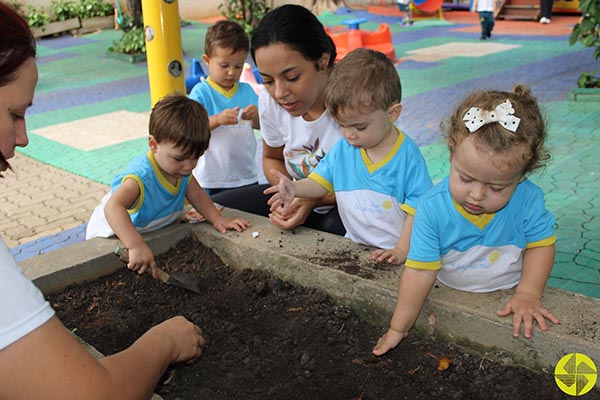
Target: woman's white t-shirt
{"points": [[304, 143], [22, 306]]}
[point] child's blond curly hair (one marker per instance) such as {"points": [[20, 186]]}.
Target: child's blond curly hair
{"points": [[529, 136]]}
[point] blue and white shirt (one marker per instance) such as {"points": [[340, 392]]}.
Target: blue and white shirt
{"points": [[229, 161], [478, 253], [160, 203], [373, 199]]}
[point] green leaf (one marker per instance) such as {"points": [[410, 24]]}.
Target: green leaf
{"points": [[574, 36], [587, 40]]}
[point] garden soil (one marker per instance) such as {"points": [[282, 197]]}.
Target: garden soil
{"points": [[269, 339]]}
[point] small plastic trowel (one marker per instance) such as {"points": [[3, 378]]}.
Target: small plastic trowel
{"points": [[175, 278]]}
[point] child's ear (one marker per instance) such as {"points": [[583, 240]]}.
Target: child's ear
{"points": [[152, 143], [394, 112], [206, 58]]}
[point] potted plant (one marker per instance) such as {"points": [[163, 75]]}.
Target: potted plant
{"points": [[587, 32], [95, 15], [131, 47], [42, 25]]}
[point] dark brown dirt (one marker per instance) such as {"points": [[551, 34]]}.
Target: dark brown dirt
{"points": [[269, 339]]}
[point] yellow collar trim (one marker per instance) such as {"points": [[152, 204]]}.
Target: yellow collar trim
{"points": [[480, 221], [173, 189], [374, 167], [227, 93]]}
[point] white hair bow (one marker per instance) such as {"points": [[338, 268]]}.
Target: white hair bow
{"points": [[475, 118]]}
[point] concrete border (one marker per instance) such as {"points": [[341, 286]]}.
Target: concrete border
{"points": [[320, 260]]}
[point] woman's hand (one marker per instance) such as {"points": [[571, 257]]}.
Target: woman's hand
{"points": [[184, 338], [297, 213], [526, 308]]}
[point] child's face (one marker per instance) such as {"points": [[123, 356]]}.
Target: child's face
{"points": [[225, 68], [368, 130], [171, 160], [292, 80], [477, 183]]}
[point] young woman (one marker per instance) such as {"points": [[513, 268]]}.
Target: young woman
{"points": [[39, 357], [294, 56]]}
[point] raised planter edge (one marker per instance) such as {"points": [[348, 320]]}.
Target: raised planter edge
{"points": [[584, 94], [56, 27], [131, 58], [89, 25]]}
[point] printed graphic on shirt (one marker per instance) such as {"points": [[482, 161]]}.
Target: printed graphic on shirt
{"points": [[482, 268], [303, 161], [359, 209]]}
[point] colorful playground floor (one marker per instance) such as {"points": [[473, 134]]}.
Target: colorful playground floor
{"points": [[90, 115]]}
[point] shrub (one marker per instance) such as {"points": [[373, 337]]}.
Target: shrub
{"points": [[65, 9], [247, 13], [587, 32], [36, 18], [132, 42]]}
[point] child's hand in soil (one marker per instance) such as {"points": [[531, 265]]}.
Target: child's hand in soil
{"points": [[223, 223], [526, 308], [392, 256], [141, 259], [391, 339], [183, 337]]}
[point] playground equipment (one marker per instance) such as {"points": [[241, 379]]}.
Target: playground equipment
{"points": [[196, 75], [380, 40], [163, 48], [420, 9], [429, 7], [249, 75], [119, 17]]}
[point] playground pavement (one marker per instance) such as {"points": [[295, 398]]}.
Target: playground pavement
{"points": [[90, 113]]}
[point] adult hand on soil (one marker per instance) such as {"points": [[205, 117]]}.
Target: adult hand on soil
{"points": [[297, 214], [391, 339], [141, 259], [526, 308], [392, 256], [184, 338], [283, 193]]}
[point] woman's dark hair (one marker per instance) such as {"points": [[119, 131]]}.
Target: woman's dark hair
{"points": [[17, 45], [297, 28]]}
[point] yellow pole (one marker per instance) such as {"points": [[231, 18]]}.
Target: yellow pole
{"points": [[163, 48]]}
